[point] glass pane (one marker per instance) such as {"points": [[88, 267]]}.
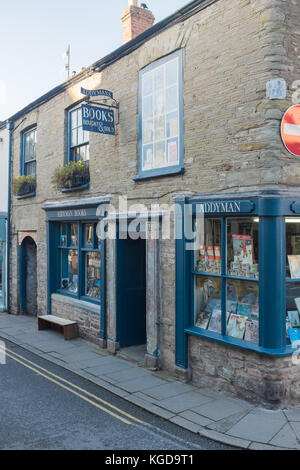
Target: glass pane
{"points": [[147, 107], [159, 155], [171, 72], [74, 119], [147, 157], [93, 275], [159, 78], [147, 83], [69, 263], [242, 247], [208, 255], [293, 311], [63, 235], [159, 103], [148, 131], [293, 247], [79, 117], [242, 310], [159, 128], [80, 136], [172, 125], [89, 234], [87, 153], [74, 137], [30, 169], [208, 303], [172, 148], [74, 235], [171, 99]]}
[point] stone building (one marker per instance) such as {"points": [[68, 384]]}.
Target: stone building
{"points": [[4, 154], [197, 132]]}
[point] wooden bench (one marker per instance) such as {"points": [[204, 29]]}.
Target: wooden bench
{"points": [[69, 328]]}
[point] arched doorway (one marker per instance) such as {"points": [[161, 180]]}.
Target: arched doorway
{"points": [[28, 277]]}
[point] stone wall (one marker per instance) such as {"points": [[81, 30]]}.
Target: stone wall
{"points": [[88, 320], [231, 136], [272, 382]]}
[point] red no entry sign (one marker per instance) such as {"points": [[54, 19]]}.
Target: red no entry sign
{"points": [[290, 130]]}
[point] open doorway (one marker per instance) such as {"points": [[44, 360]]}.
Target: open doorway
{"points": [[131, 294], [28, 277]]}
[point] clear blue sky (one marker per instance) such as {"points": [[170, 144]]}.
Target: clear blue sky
{"points": [[34, 35]]}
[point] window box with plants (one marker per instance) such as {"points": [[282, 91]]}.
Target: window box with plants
{"points": [[24, 186], [72, 176]]}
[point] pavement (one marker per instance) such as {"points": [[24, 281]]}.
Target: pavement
{"points": [[210, 414]]}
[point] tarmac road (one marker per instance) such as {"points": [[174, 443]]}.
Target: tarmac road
{"points": [[43, 406]]}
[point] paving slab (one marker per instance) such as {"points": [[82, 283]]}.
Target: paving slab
{"points": [[259, 425], [184, 401], [292, 414], [168, 390], [221, 408], [224, 438], [195, 418], [296, 428], [227, 423], [142, 383], [149, 407], [184, 423], [286, 438], [258, 446], [133, 373]]}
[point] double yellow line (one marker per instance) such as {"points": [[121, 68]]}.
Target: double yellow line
{"points": [[70, 387]]}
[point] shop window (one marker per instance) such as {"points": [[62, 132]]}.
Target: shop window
{"points": [[160, 117], [242, 247], [293, 279], [92, 284], [28, 167], [80, 261], [224, 301], [78, 138]]}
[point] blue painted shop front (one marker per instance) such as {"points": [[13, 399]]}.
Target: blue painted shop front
{"points": [[239, 284]]}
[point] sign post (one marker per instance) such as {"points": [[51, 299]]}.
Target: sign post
{"points": [[290, 130]]}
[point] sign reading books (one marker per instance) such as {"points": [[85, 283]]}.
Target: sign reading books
{"points": [[96, 119]]}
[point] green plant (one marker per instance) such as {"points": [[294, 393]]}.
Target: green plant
{"points": [[64, 176], [23, 184]]}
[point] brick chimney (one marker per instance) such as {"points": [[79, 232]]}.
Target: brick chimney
{"points": [[136, 20]]}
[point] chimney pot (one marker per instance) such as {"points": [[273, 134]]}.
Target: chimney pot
{"points": [[136, 20]]}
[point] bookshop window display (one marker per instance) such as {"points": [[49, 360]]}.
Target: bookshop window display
{"points": [[80, 261], [293, 278], [226, 274]]}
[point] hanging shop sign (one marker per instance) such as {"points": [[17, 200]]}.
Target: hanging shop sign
{"points": [[96, 119], [99, 92], [290, 130]]}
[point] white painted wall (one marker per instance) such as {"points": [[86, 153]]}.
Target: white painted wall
{"points": [[4, 148]]}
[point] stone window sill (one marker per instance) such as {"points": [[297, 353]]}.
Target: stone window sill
{"points": [[95, 308]]}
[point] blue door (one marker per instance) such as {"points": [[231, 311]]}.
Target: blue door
{"points": [[131, 292]]}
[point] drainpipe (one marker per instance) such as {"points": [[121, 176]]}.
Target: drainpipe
{"points": [[10, 127]]}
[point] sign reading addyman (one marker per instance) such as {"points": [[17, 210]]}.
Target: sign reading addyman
{"points": [[95, 119], [99, 92], [225, 207]]}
